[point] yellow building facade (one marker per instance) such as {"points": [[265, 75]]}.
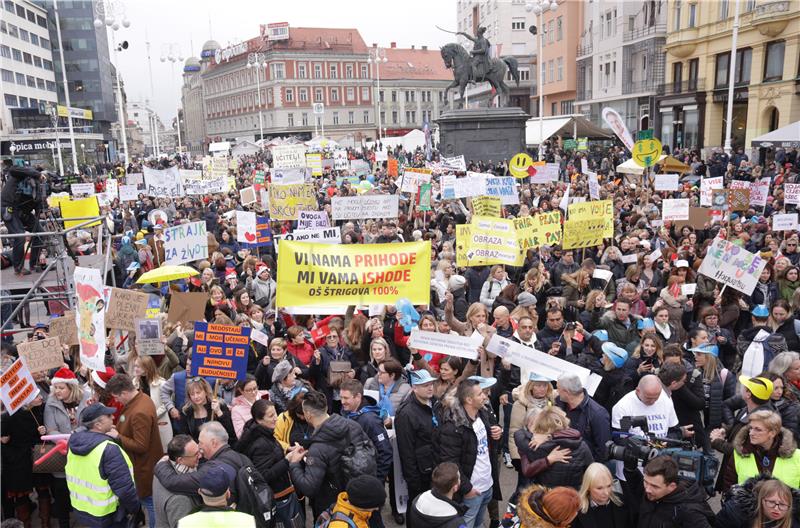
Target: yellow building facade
{"points": [[692, 104]]}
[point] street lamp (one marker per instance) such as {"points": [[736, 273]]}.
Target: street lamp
{"points": [[259, 61], [538, 9], [112, 12], [52, 111], [173, 54], [66, 97], [378, 55]]}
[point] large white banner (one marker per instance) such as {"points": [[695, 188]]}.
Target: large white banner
{"points": [[90, 317], [161, 183], [365, 206], [288, 176], [330, 235], [473, 185], [185, 243], [732, 265], [201, 187], [450, 344], [707, 186], [546, 173], [288, 156], [456, 163], [503, 187]]}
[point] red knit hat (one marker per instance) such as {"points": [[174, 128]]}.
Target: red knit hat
{"points": [[64, 375], [101, 377]]}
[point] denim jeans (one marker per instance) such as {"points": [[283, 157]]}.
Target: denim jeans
{"points": [[149, 507], [473, 518]]}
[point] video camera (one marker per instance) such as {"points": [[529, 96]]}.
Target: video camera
{"points": [[692, 465]]}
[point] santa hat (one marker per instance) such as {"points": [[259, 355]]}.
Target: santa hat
{"points": [[101, 377], [261, 268], [64, 375]]}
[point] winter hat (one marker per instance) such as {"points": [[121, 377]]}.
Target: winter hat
{"points": [[366, 492], [101, 377], [456, 282], [760, 311], [261, 268], [560, 504], [64, 375], [526, 299], [282, 370], [616, 354]]}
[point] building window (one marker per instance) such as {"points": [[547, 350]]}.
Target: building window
{"points": [[45, 43], [351, 118], [20, 79], [553, 108], [334, 72], [304, 118], [551, 70], [290, 119], [336, 118], [301, 71], [37, 61], [31, 81], [278, 70], [351, 93], [318, 98], [348, 71], [773, 65], [318, 71], [365, 93], [364, 71], [17, 54], [394, 117], [560, 68], [51, 86], [394, 96], [24, 35], [694, 69], [8, 76], [366, 116], [383, 118], [566, 107], [289, 95], [41, 21], [723, 9], [334, 94], [40, 83], [11, 100], [744, 58], [692, 15], [9, 6], [518, 24], [677, 21], [721, 70], [551, 34], [303, 94], [560, 28], [381, 96], [20, 11]]}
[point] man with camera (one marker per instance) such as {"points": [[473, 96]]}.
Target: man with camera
{"points": [[21, 201]]}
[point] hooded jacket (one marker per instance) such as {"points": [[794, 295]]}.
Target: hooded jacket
{"points": [[531, 512], [524, 403], [687, 506], [114, 469], [594, 423], [784, 447], [740, 503], [259, 445], [414, 424], [368, 417], [432, 510], [571, 473], [359, 517]]}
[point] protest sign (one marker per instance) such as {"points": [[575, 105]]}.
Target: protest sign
{"points": [[633, 258], [288, 176], [248, 195], [259, 337], [486, 206], [456, 163], [286, 200], [449, 344], [220, 350], [65, 329], [216, 167], [719, 199], [365, 206], [17, 387], [259, 177], [602, 274], [124, 307], [190, 175], [288, 156], [594, 185], [392, 168], [739, 199], [351, 180], [739, 184], [79, 189], [759, 191], [732, 265], [463, 240], [791, 193], [263, 234], [41, 355], [134, 178], [545, 173], [667, 182], [161, 183], [310, 273], [359, 167], [688, 289], [112, 189], [201, 187], [187, 307], [82, 208], [245, 226], [504, 187], [312, 219], [90, 317], [784, 222], [584, 165], [413, 178], [493, 241], [148, 337], [542, 229], [128, 193], [185, 243], [588, 224], [381, 155], [330, 235], [707, 185], [698, 218], [314, 163], [424, 197], [473, 185], [675, 209], [447, 184], [340, 160], [153, 306]]}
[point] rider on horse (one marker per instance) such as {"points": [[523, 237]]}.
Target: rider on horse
{"points": [[480, 53]]}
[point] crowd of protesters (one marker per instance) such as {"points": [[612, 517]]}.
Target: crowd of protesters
{"points": [[150, 444]]}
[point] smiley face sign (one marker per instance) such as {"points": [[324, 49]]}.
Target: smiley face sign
{"points": [[646, 152], [519, 165]]}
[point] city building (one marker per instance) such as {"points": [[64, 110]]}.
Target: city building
{"points": [[692, 104], [412, 84], [507, 24], [620, 62], [194, 122], [143, 117]]}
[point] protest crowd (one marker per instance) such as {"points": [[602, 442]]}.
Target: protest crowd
{"points": [[371, 327]]}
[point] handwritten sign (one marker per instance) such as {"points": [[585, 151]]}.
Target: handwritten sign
{"points": [[289, 176], [41, 355], [412, 179], [148, 337], [504, 187], [65, 329], [545, 172], [331, 235], [473, 185], [594, 185], [739, 198], [161, 183], [285, 201], [124, 307], [675, 209], [314, 162], [185, 243], [732, 265], [220, 350], [263, 234], [456, 163], [79, 189], [707, 185], [539, 230], [288, 156], [17, 387], [667, 182], [312, 219], [784, 222], [90, 318], [486, 206], [128, 193], [759, 191], [791, 193], [248, 195], [365, 206], [452, 345]]}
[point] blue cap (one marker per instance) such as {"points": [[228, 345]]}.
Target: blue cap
{"points": [[760, 311], [133, 266], [602, 335], [485, 383], [708, 348], [645, 324], [616, 354], [420, 377], [734, 216], [38, 326], [95, 411], [533, 376], [297, 390], [216, 479]]}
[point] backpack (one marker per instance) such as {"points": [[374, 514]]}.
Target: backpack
{"points": [[255, 496], [328, 516], [359, 456]]}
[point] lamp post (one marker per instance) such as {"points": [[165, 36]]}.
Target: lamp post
{"points": [[731, 77], [66, 97], [259, 61], [378, 55], [52, 110], [538, 9], [112, 14], [173, 54]]}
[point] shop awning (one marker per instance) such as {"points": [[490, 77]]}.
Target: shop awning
{"points": [[786, 137], [575, 124]]}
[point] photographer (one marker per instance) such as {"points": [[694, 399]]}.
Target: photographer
{"points": [[21, 200]]}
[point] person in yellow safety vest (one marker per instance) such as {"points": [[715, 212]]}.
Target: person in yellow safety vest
{"points": [[99, 473], [215, 491], [763, 446]]}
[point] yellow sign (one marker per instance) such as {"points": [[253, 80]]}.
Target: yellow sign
{"points": [[463, 236], [518, 166], [646, 152], [541, 230], [312, 274], [492, 241], [314, 162], [85, 207], [588, 224], [486, 206], [76, 113], [285, 201]]}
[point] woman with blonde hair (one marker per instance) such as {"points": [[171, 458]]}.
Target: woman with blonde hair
{"points": [[576, 288], [536, 393], [202, 406], [147, 379], [761, 502], [599, 504], [477, 318], [497, 280]]}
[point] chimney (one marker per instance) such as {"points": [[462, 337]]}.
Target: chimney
{"points": [[412, 46], [424, 48], [374, 45], [393, 45]]}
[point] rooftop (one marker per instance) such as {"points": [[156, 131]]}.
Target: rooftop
{"points": [[414, 63]]}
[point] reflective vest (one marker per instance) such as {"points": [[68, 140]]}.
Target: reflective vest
{"points": [[88, 491], [787, 470], [218, 519]]}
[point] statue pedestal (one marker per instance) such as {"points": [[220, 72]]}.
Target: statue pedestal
{"points": [[485, 134]]}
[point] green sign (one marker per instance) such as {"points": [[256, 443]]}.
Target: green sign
{"points": [[259, 179], [645, 134], [570, 144], [425, 197], [583, 144]]}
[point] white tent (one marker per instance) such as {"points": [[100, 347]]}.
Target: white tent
{"points": [[245, 148], [219, 146], [575, 125], [630, 167], [786, 137], [320, 143], [409, 142]]}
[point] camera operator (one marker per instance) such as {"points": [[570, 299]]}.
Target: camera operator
{"points": [[667, 502], [21, 200]]}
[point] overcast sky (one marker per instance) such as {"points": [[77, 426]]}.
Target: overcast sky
{"points": [[188, 24]]}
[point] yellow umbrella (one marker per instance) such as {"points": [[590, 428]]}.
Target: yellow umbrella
{"points": [[167, 273]]}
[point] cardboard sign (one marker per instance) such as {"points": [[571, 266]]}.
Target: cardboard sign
{"points": [[359, 167], [602, 274], [134, 178], [17, 387], [450, 344], [288, 156], [545, 172], [90, 318], [365, 206], [688, 289], [248, 195], [739, 199], [312, 220], [413, 178], [65, 329], [187, 307], [190, 174], [698, 217], [491, 241], [784, 222], [285, 201], [148, 337], [675, 209], [41, 355], [340, 159], [82, 208], [732, 265], [486, 206], [220, 350], [667, 182], [185, 243], [588, 223], [124, 307]]}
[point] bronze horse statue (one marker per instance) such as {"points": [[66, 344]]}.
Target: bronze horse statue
{"points": [[458, 59]]}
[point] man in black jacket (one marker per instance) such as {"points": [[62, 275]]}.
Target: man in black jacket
{"points": [[21, 200], [470, 438], [436, 508], [363, 411], [585, 415]]}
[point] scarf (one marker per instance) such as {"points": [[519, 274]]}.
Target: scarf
{"points": [[665, 330], [181, 469], [385, 403]]}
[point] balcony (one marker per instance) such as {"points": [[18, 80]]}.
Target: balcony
{"points": [[632, 87], [771, 18], [585, 95], [638, 33], [585, 50], [685, 87]]}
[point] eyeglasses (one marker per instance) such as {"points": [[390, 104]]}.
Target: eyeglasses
{"points": [[194, 455], [332, 337], [776, 505]]}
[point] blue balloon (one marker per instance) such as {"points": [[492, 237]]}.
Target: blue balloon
{"points": [[371, 179], [408, 314]]}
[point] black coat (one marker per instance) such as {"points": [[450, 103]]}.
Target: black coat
{"points": [[740, 502], [264, 372], [368, 417], [413, 423], [191, 425], [608, 516], [594, 423], [561, 474], [21, 427], [685, 507], [259, 444]]}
